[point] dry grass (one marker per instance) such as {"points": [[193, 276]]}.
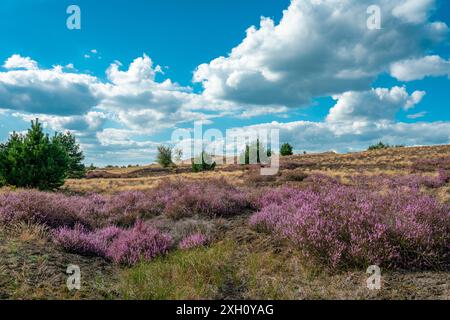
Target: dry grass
{"points": [[27, 232], [32, 267], [239, 264], [387, 161], [143, 183], [193, 274]]}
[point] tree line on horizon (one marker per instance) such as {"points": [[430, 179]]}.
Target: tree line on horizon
{"points": [[204, 161], [36, 160]]}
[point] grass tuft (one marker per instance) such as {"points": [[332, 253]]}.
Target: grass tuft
{"points": [[195, 274]]}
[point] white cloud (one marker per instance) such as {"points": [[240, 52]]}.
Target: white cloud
{"points": [[134, 96], [141, 102], [414, 11], [376, 104], [319, 48], [356, 136], [357, 120], [122, 137], [47, 91], [16, 61], [140, 71], [80, 124], [66, 100], [264, 110], [417, 115], [418, 69]]}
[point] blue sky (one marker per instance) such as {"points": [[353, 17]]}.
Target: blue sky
{"points": [[314, 71]]}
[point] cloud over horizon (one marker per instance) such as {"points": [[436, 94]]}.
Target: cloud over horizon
{"points": [[318, 49]]}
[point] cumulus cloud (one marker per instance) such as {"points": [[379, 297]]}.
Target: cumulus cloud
{"points": [[141, 102], [70, 66], [47, 91], [140, 71], [92, 121], [133, 95], [132, 98], [413, 11], [376, 104], [418, 69], [16, 61], [122, 137], [359, 119], [319, 48], [355, 136], [331, 136]]}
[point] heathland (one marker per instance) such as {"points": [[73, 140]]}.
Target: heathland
{"points": [[309, 232]]}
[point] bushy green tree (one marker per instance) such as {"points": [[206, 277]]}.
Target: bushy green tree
{"points": [[33, 160], [76, 168], [286, 150], [203, 163], [255, 150], [380, 145], [164, 157]]}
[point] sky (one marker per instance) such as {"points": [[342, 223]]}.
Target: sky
{"points": [[316, 70]]}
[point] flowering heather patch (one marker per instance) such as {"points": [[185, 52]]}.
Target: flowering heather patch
{"points": [[343, 226], [193, 241], [82, 241], [212, 198], [432, 164], [412, 181], [51, 209], [58, 210], [273, 196], [126, 207], [142, 242], [123, 246], [177, 199]]}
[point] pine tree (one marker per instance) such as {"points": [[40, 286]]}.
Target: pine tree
{"points": [[286, 150], [255, 153], [33, 160], [76, 168]]}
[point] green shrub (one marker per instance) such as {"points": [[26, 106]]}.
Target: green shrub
{"points": [[203, 163], [255, 149], [286, 150], [33, 160], [164, 157], [380, 146], [76, 168]]}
